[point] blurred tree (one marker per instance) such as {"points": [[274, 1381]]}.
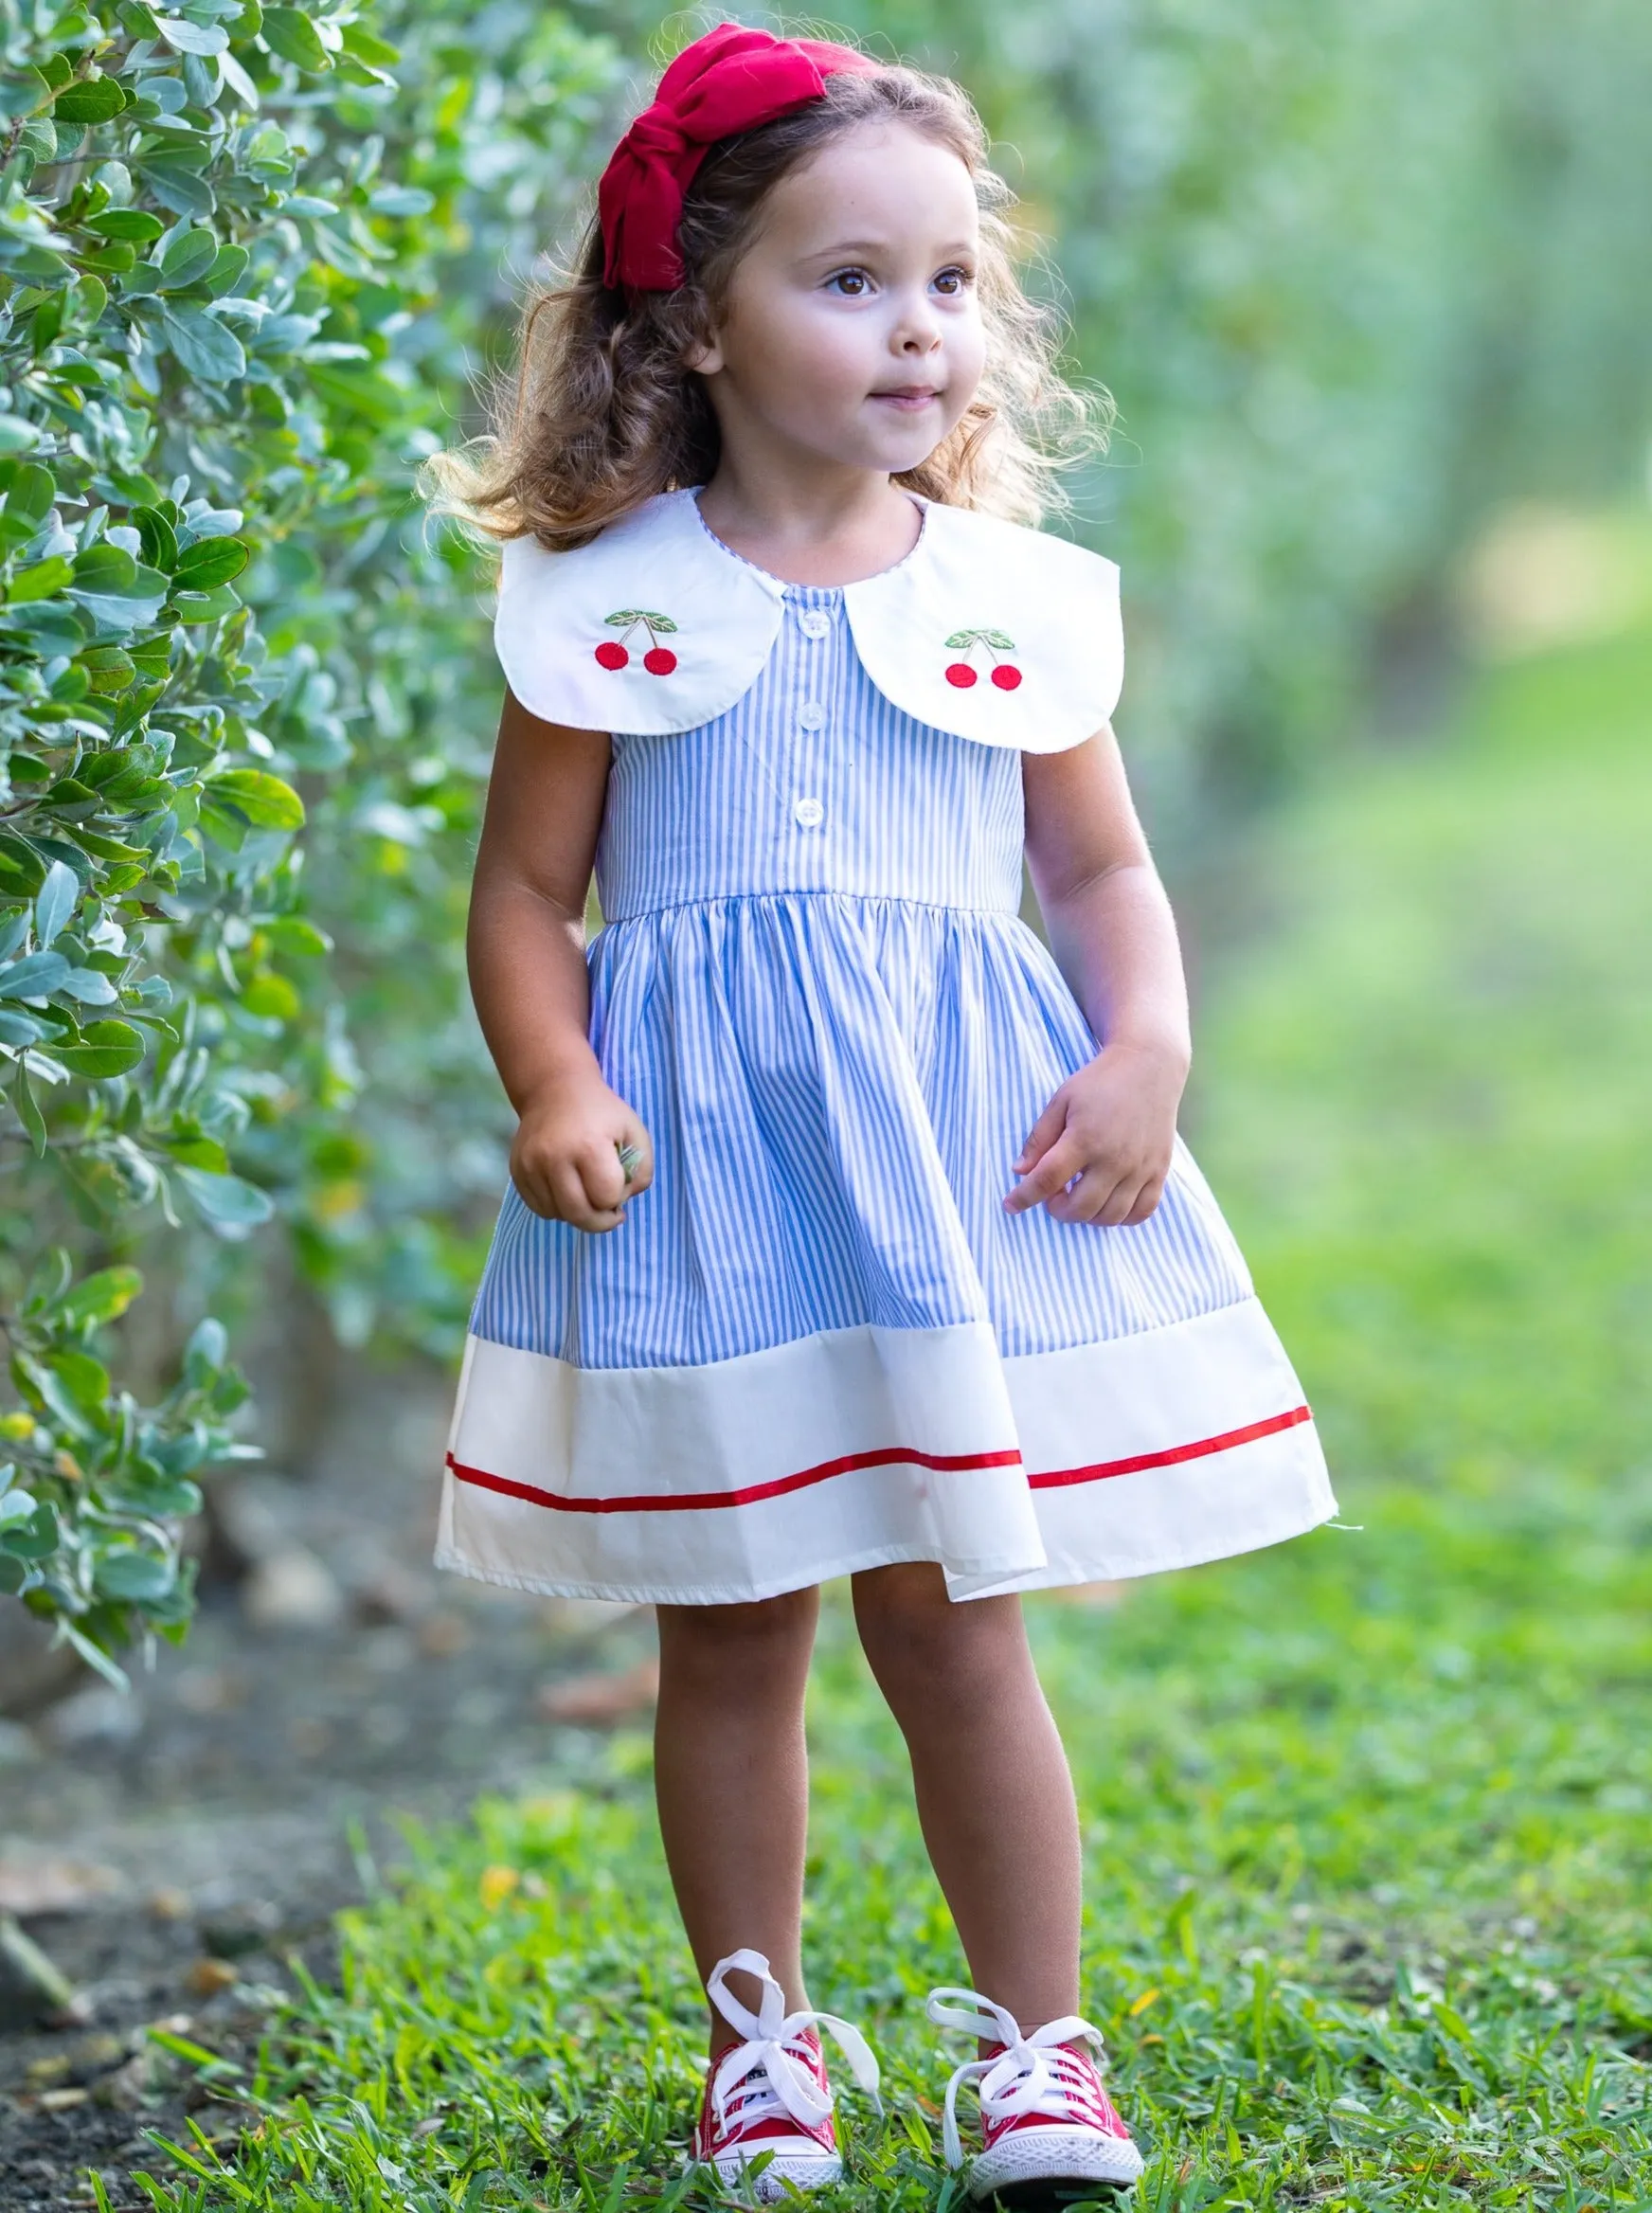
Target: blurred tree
{"points": [[1352, 272]]}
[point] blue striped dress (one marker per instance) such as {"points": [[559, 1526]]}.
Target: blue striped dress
{"points": [[817, 1343]]}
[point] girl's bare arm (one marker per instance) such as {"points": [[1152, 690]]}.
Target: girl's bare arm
{"points": [[526, 945], [1111, 929]]}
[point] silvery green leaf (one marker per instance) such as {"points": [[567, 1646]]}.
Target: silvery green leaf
{"points": [[184, 37], [55, 902], [402, 200], [120, 613], [228, 1203], [239, 82], [36, 976], [16, 1506], [90, 987], [186, 255], [130, 1574], [202, 344]]}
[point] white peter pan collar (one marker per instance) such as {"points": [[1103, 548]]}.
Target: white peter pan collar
{"points": [[992, 632]]}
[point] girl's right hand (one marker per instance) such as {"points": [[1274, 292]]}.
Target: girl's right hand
{"points": [[566, 1159]]}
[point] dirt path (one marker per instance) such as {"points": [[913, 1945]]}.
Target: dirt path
{"points": [[174, 1852]]}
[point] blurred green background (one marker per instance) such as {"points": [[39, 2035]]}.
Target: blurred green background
{"points": [[1370, 1817], [1360, 279]]}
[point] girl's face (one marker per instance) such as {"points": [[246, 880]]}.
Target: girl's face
{"points": [[851, 332]]}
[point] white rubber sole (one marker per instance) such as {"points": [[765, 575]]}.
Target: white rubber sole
{"points": [[805, 2169], [1054, 2155]]}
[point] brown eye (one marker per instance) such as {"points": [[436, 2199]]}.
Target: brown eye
{"points": [[851, 283], [952, 282]]}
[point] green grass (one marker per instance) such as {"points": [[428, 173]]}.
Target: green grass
{"points": [[1368, 1817]]}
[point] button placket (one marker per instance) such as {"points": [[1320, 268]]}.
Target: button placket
{"points": [[808, 808]]}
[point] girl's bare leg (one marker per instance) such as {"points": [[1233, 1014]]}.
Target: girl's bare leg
{"points": [[731, 1779], [994, 1796]]}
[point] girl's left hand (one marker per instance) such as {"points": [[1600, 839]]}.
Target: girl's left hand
{"points": [[1113, 1126]]}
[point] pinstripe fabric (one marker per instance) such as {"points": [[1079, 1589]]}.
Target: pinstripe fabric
{"points": [[814, 988]]}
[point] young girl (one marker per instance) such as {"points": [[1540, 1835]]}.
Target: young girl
{"points": [[851, 1232]]}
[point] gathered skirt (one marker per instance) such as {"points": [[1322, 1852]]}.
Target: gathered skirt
{"points": [[817, 1343]]}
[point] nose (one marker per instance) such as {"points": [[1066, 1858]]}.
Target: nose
{"points": [[920, 343], [918, 330]]}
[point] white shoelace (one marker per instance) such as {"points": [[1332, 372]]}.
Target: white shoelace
{"points": [[764, 2074], [1017, 2079]]}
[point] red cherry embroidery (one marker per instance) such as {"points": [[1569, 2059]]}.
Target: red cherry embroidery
{"points": [[658, 660], [964, 673]]}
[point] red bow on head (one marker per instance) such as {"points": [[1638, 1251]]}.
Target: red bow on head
{"points": [[730, 81]]}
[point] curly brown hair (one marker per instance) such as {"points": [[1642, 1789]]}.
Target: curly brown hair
{"points": [[601, 412]]}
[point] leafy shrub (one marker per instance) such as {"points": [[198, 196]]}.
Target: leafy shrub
{"points": [[227, 236], [1351, 274]]}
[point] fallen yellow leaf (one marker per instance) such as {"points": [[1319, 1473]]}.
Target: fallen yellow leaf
{"points": [[496, 1885]]}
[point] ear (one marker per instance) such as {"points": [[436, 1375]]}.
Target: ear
{"points": [[701, 355]]}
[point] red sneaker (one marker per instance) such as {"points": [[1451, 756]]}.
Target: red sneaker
{"points": [[769, 2093], [1046, 2120]]}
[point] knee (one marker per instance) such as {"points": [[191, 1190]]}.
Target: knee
{"points": [[918, 1641], [748, 1642]]}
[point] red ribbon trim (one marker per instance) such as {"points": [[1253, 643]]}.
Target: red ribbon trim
{"points": [[1058, 1479], [752, 1494]]}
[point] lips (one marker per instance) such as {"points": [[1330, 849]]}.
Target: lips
{"points": [[913, 396]]}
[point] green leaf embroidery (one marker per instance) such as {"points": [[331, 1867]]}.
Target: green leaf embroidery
{"points": [[627, 616]]}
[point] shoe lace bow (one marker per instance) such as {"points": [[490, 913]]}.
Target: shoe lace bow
{"points": [[766, 2072], [1020, 2079]]}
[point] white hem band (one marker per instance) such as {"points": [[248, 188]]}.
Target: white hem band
{"points": [[746, 1478]]}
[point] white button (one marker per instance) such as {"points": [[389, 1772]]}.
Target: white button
{"points": [[811, 716], [809, 811], [813, 625]]}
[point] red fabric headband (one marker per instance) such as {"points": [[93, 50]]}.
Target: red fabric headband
{"points": [[730, 81]]}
